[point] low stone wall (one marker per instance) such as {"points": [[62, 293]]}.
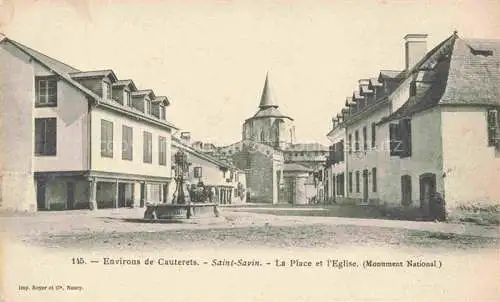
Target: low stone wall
{"points": [[181, 211]]}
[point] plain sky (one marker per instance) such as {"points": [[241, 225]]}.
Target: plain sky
{"points": [[211, 57]]}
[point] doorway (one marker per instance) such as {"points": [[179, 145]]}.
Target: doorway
{"points": [[122, 198], [143, 195], [431, 205], [365, 186], [70, 195], [41, 185]]}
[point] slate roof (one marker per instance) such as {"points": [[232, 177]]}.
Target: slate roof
{"points": [[56, 65], [456, 72], [267, 98], [474, 76], [270, 112], [161, 99], [65, 71], [147, 92], [121, 83], [268, 106], [93, 74]]}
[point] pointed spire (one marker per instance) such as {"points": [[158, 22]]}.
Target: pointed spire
{"points": [[267, 99]]}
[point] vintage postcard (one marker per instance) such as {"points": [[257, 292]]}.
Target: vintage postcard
{"points": [[249, 150]]}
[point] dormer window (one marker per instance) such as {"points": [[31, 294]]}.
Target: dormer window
{"points": [[162, 112], [46, 91], [106, 90], [127, 98], [147, 106]]}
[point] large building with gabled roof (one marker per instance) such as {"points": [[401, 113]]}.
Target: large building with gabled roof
{"points": [[74, 139], [425, 139]]}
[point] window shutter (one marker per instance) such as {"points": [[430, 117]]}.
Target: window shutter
{"points": [[405, 137], [493, 127], [343, 150], [39, 136], [393, 139], [406, 190], [51, 138], [374, 130]]}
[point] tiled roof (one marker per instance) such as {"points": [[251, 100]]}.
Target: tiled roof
{"points": [[461, 72], [474, 73]]}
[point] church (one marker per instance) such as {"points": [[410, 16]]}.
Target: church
{"points": [[278, 169]]}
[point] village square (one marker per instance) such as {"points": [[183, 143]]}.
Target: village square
{"points": [[304, 142], [104, 157]]}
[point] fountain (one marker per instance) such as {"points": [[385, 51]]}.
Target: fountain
{"points": [[182, 207]]}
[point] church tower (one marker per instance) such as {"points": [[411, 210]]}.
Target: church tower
{"points": [[269, 126]]}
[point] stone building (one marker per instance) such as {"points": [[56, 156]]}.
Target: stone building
{"points": [[425, 138], [278, 169]]}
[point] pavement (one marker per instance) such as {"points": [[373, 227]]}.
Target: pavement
{"points": [[130, 220]]}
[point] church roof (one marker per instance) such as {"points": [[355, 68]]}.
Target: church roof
{"points": [[267, 98], [268, 106], [270, 112]]}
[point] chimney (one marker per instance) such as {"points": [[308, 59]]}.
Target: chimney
{"points": [[415, 49]]}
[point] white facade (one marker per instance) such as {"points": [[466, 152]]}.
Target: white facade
{"points": [[73, 173]]}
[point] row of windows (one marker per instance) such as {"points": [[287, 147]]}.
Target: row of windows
{"points": [[365, 175], [46, 141], [128, 143], [365, 139]]}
